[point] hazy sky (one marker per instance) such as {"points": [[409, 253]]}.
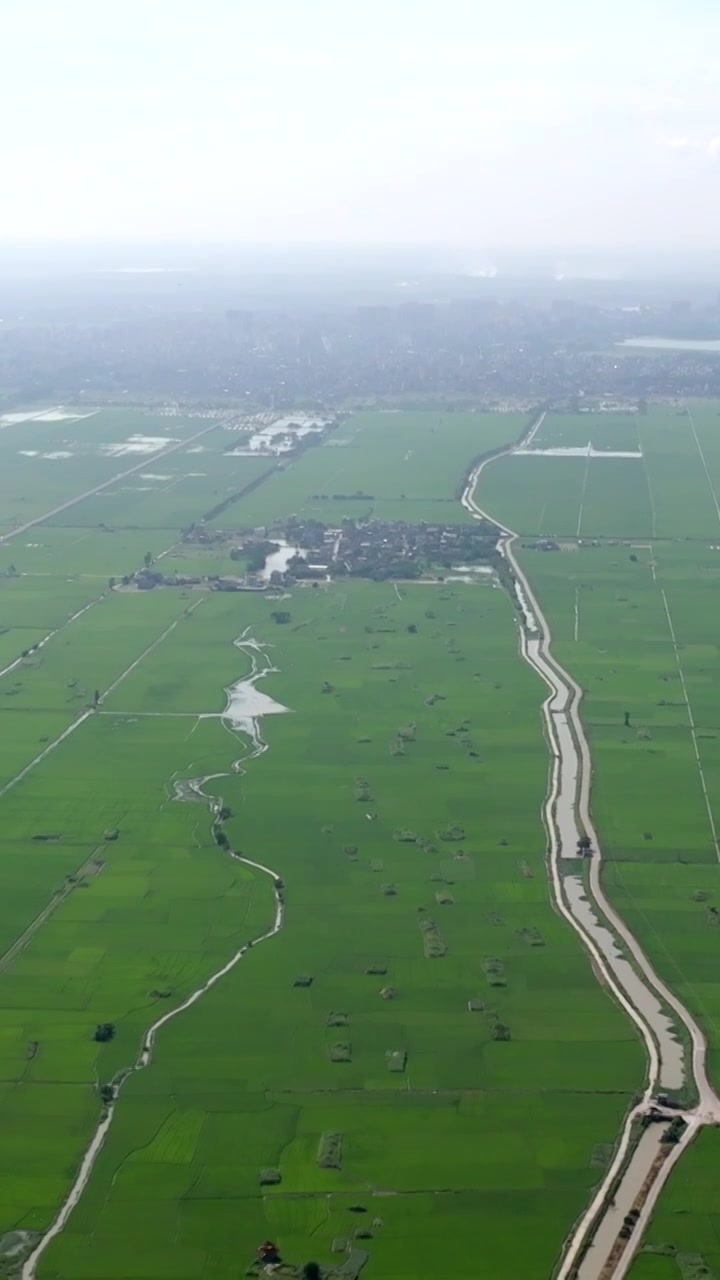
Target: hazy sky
{"points": [[478, 122]]}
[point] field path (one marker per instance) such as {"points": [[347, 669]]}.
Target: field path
{"points": [[147, 459], [703, 460], [90, 867], [90, 711], [691, 722], [640, 1167]]}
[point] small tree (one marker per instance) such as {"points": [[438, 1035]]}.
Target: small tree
{"points": [[147, 559], [674, 1131], [501, 1032], [584, 845], [96, 697], [280, 615], [104, 1031], [111, 584], [311, 1271], [627, 719]]}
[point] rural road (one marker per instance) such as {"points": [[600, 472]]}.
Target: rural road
{"points": [[594, 1249]]}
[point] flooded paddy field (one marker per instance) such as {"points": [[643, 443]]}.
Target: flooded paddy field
{"points": [[48, 460]]}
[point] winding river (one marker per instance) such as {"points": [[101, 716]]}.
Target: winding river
{"points": [[638, 1171]]}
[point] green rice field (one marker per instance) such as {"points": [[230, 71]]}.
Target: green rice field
{"points": [[670, 491], [423, 999]]}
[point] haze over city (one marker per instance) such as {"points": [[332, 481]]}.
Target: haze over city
{"points": [[462, 123]]}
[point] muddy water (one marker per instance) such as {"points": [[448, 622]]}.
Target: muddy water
{"points": [[565, 778], [529, 616], [672, 1065], [280, 559], [607, 1233], [245, 702], [568, 766]]}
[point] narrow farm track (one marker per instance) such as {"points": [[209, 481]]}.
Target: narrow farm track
{"points": [[90, 711], [90, 867], [691, 722], [144, 1058], [636, 1175], [703, 460], [51, 634], [147, 460]]}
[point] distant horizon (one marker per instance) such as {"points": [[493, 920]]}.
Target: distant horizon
{"points": [[409, 272]]}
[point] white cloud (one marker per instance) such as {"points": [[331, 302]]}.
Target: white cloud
{"points": [[699, 146]]}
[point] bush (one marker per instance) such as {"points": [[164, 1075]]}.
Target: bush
{"points": [[329, 1154], [433, 943], [674, 1131], [495, 971], [396, 1059], [453, 831], [335, 1019], [531, 936], [406, 732], [500, 1032]]}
